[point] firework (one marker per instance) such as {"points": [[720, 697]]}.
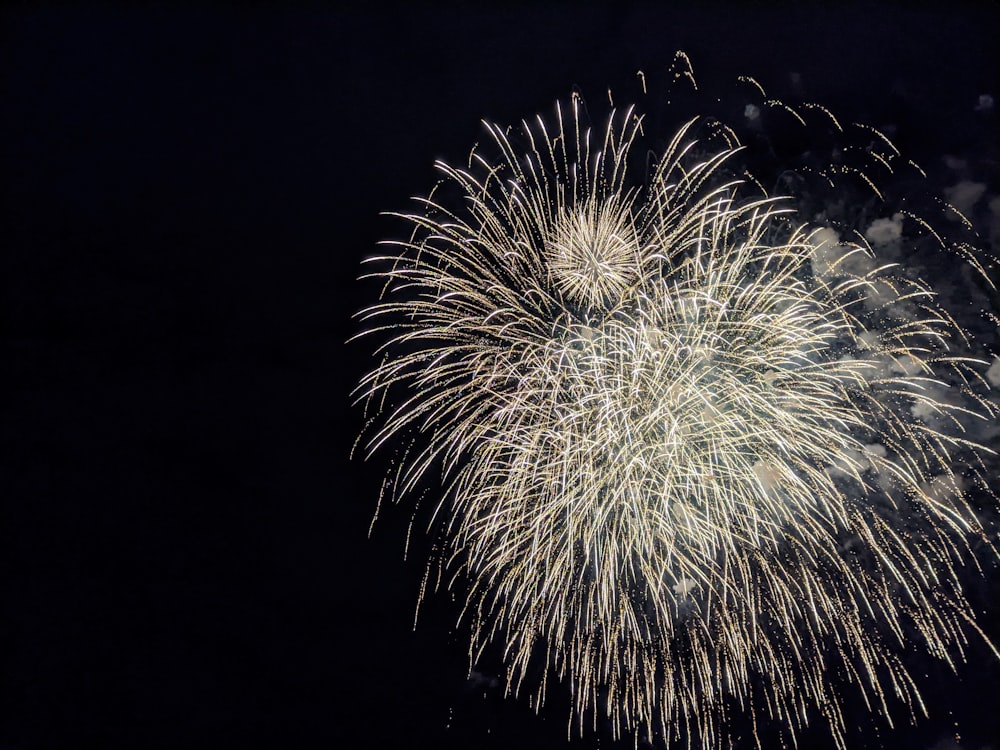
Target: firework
{"points": [[696, 454]]}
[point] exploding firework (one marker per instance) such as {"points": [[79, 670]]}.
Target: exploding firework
{"points": [[697, 454]]}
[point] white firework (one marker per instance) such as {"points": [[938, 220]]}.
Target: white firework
{"points": [[696, 455]]}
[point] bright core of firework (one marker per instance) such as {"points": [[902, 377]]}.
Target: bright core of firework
{"points": [[682, 471], [593, 252]]}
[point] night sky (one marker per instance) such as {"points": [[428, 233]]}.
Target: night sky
{"points": [[185, 199]]}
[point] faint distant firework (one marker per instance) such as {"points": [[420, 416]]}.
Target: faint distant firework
{"points": [[701, 456]]}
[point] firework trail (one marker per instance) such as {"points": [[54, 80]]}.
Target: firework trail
{"points": [[696, 455]]}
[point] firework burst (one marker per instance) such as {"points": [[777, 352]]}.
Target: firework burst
{"points": [[696, 455]]}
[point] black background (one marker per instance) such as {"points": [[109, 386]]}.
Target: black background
{"points": [[186, 195]]}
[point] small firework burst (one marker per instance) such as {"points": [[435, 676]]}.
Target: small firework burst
{"points": [[697, 454]]}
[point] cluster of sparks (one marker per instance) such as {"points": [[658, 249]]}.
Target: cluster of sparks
{"points": [[695, 459]]}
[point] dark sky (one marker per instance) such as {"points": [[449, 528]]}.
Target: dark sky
{"points": [[185, 197]]}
